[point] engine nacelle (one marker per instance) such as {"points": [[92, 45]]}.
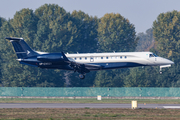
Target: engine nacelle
{"points": [[50, 58]]}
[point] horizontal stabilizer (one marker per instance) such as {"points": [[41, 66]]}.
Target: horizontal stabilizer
{"points": [[14, 38]]}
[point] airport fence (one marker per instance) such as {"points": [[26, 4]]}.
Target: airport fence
{"points": [[90, 92]]}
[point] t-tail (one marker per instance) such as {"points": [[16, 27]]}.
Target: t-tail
{"points": [[21, 48]]}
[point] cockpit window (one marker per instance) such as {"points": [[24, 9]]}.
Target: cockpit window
{"points": [[153, 55]]}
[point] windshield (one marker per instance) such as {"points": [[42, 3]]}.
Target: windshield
{"points": [[153, 55]]}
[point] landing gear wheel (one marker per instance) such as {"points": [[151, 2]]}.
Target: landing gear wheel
{"points": [[81, 76], [160, 70]]}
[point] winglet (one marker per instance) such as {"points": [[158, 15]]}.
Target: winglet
{"points": [[64, 56]]}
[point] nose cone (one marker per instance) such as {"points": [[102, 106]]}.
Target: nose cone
{"points": [[171, 62], [167, 62]]}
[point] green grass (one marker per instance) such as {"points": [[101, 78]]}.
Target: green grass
{"points": [[93, 100], [88, 114]]}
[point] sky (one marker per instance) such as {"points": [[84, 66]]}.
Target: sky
{"points": [[140, 13]]}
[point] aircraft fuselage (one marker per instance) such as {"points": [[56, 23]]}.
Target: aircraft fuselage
{"points": [[84, 63]]}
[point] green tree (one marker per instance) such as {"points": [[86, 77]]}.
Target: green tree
{"points": [[7, 58], [51, 29], [61, 31], [2, 20], [86, 43], [166, 33], [146, 41], [54, 29], [14, 74], [24, 24], [115, 33], [86, 31], [110, 78], [141, 77]]}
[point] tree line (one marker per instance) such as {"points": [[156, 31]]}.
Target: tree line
{"points": [[50, 28]]}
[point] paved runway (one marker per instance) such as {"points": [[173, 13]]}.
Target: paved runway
{"points": [[83, 105]]}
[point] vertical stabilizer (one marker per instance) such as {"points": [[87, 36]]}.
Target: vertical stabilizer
{"points": [[21, 48]]}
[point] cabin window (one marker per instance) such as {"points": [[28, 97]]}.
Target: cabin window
{"points": [[101, 57], [125, 57], [80, 58], [75, 58], [120, 57], [106, 57], [85, 58], [111, 57], [96, 57], [116, 57]]}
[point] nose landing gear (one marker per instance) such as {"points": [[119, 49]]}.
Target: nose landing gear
{"points": [[163, 66], [160, 70]]}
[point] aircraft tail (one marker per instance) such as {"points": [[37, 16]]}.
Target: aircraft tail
{"points": [[21, 48]]}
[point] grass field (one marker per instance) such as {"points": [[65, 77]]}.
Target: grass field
{"points": [[93, 100], [89, 113]]}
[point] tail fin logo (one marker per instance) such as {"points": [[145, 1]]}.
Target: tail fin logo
{"points": [[28, 52]]}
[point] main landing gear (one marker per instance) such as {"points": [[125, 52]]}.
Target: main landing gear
{"points": [[80, 68], [81, 76], [163, 66]]}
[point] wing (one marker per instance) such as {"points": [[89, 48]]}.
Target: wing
{"points": [[81, 67]]}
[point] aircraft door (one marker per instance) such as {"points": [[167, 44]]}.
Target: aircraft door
{"points": [[91, 59]]}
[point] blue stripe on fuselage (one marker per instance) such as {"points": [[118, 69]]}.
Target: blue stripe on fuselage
{"points": [[117, 65], [66, 67]]}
